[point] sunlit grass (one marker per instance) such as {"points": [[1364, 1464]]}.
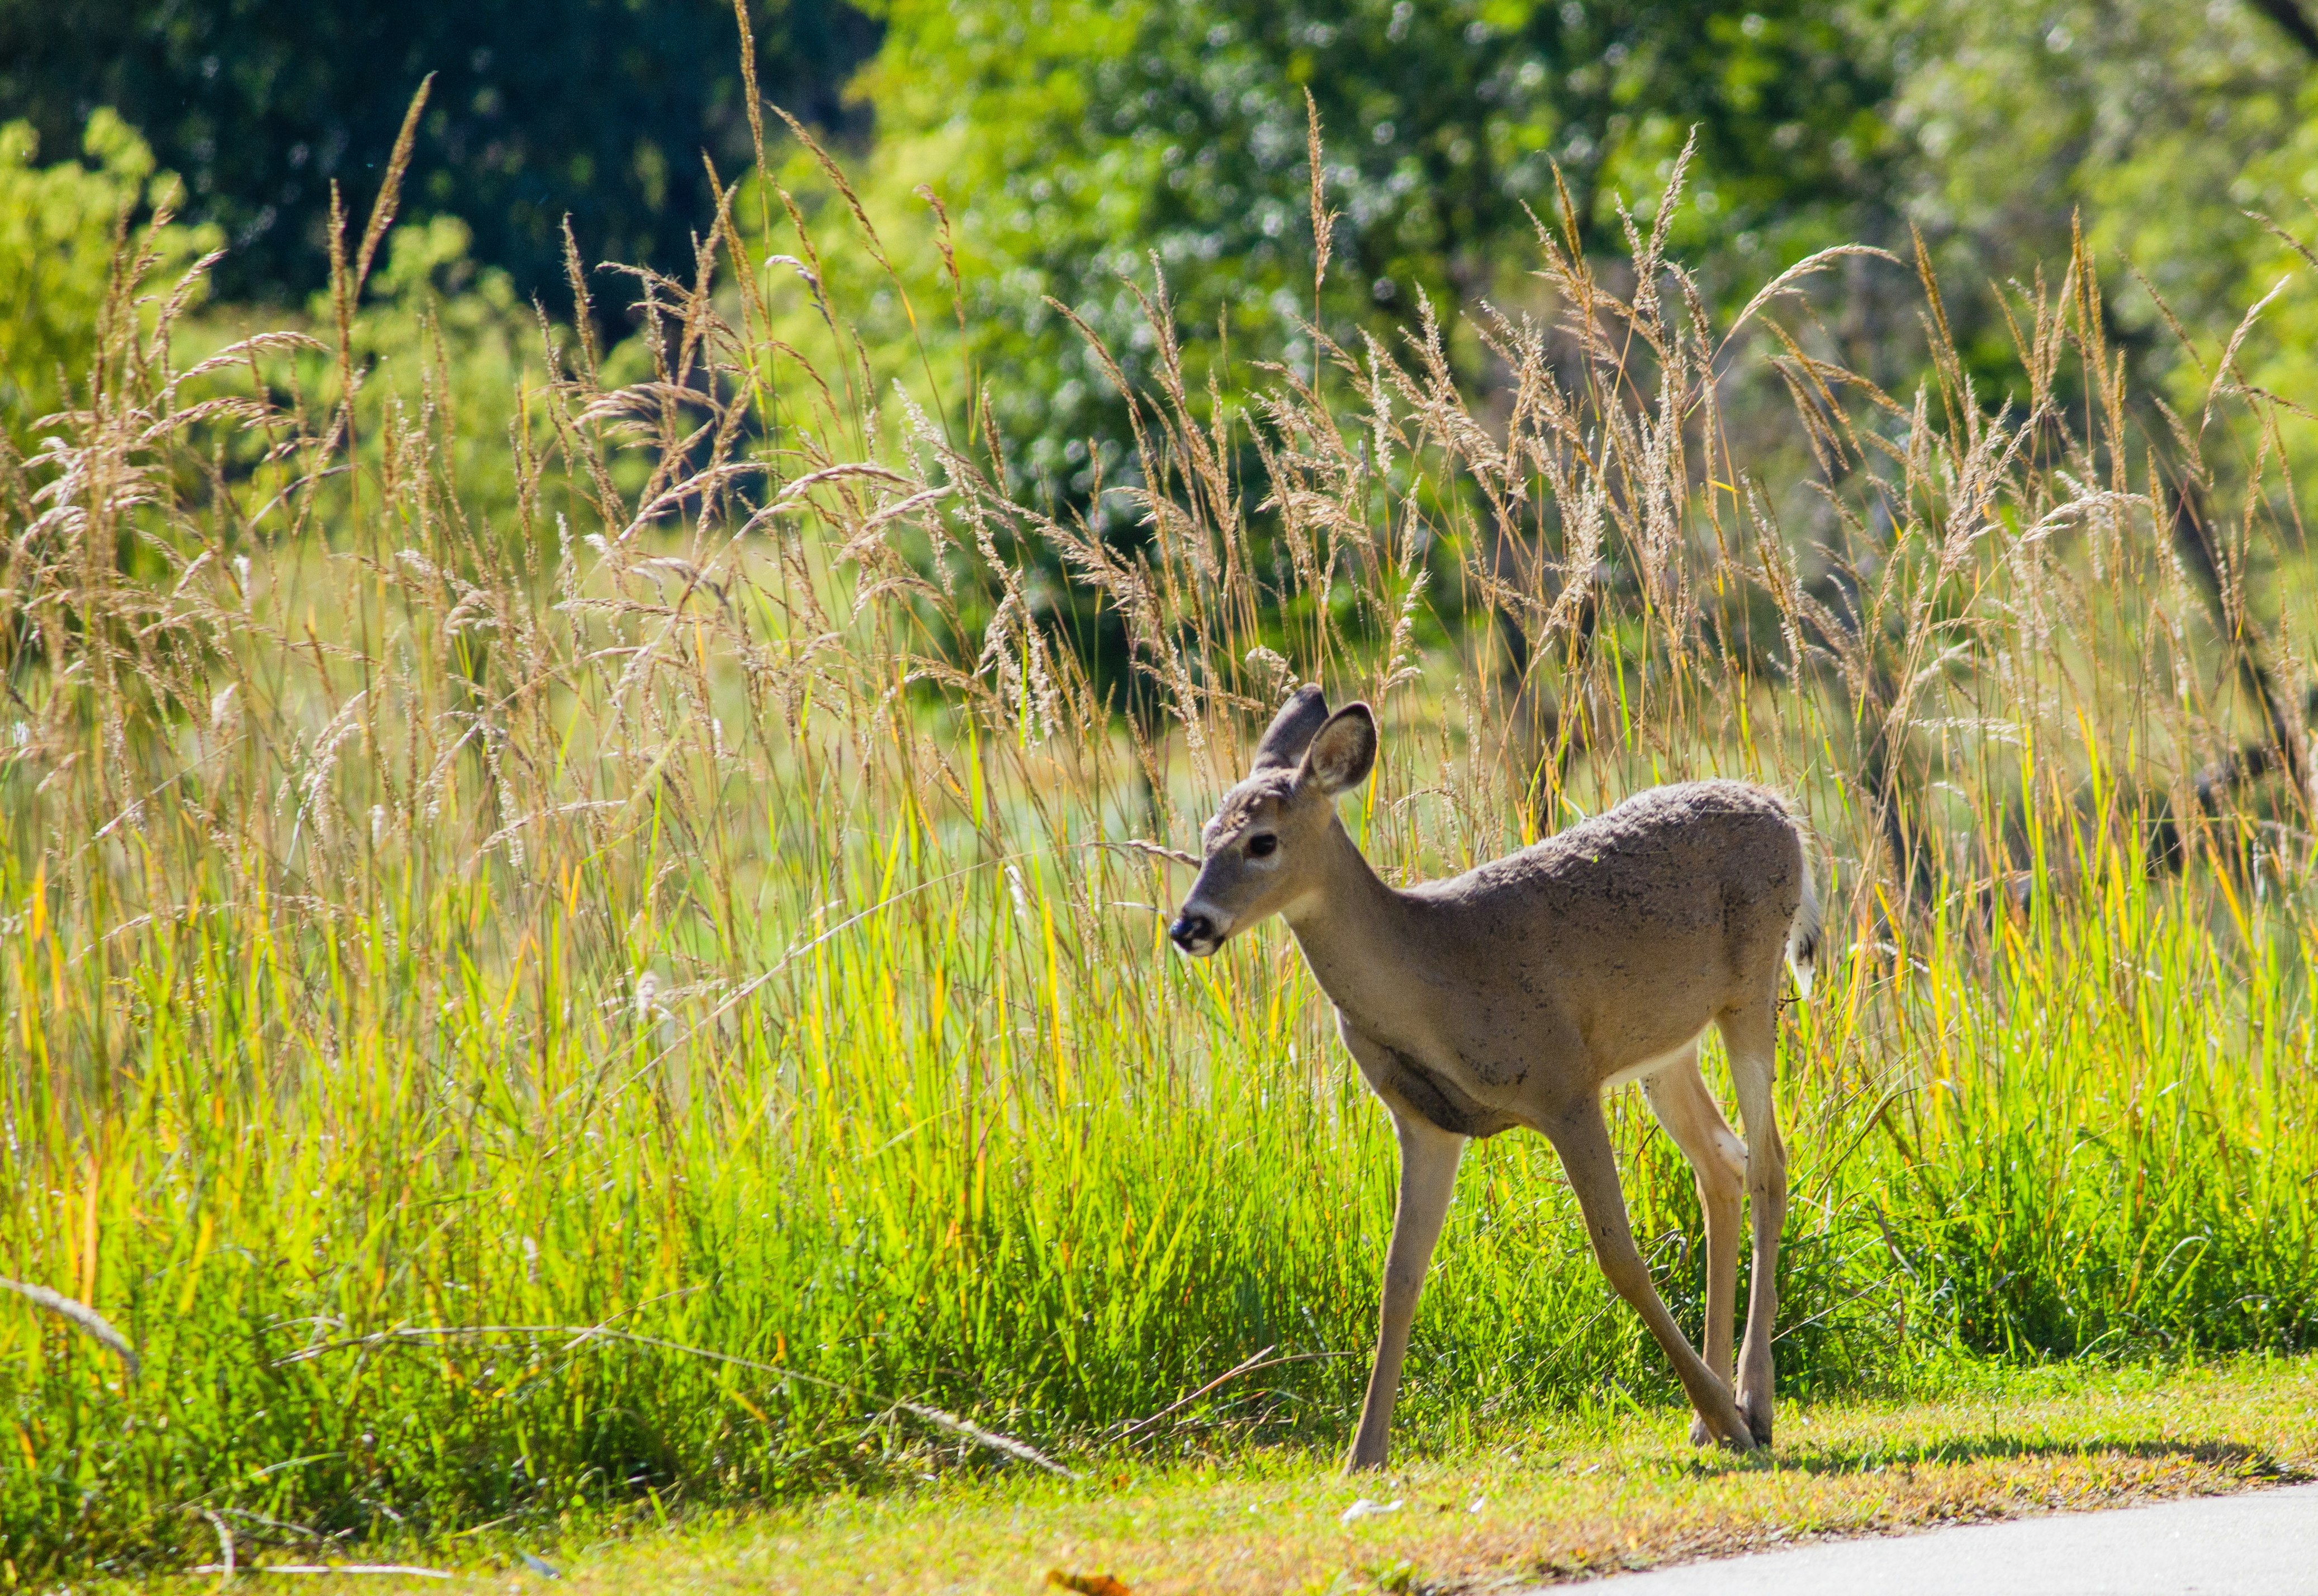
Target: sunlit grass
{"points": [[524, 1018], [1537, 1498]]}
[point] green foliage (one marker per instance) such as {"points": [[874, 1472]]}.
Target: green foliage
{"points": [[2150, 124], [2170, 135], [1087, 144], [61, 229], [597, 109]]}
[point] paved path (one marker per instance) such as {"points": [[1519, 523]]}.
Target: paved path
{"points": [[2260, 1542]]}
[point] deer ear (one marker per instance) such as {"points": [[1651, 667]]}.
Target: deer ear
{"points": [[1291, 731], [1343, 751]]}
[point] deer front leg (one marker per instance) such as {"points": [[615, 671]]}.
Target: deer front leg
{"points": [[1428, 1176], [1583, 1141]]}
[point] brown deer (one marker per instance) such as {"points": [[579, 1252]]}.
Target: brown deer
{"points": [[1516, 994]]}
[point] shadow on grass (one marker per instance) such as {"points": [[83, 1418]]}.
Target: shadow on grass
{"points": [[2239, 1461]]}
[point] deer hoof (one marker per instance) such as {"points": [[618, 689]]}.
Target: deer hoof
{"points": [[1700, 1435], [1725, 1422], [1757, 1415]]}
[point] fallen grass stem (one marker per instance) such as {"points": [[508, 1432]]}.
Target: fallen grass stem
{"points": [[1246, 1367]]}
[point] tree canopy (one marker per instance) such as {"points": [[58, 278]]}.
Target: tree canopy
{"points": [[597, 108], [1089, 142]]}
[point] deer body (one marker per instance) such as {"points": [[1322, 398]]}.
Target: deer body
{"points": [[1514, 994]]}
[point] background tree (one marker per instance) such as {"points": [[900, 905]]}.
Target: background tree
{"points": [[2159, 126], [1087, 139], [597, 108]]}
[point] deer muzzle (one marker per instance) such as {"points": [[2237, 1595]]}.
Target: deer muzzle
{"points": [[1196, 933]]}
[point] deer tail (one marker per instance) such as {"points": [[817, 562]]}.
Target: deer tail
{"points": [[1802, 935]]}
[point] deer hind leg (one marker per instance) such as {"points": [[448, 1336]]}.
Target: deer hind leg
{"points": [[1583, 1141], [1428, 1177], [1679, 1096], [1752, 1033]]}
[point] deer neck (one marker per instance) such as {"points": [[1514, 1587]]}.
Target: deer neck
{"points": [[1355, 931]]}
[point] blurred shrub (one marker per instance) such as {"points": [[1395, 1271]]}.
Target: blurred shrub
{"points": [[60, 228]]}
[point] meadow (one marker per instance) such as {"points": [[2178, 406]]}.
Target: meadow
{"points": [[654, 997]]}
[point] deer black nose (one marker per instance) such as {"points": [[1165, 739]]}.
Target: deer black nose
{"points": [[1192, 932]]}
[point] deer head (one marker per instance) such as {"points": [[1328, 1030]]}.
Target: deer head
{"points": [[1267, 847]]}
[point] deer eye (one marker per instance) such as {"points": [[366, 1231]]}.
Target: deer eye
{"points": [[1262, 845]]}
